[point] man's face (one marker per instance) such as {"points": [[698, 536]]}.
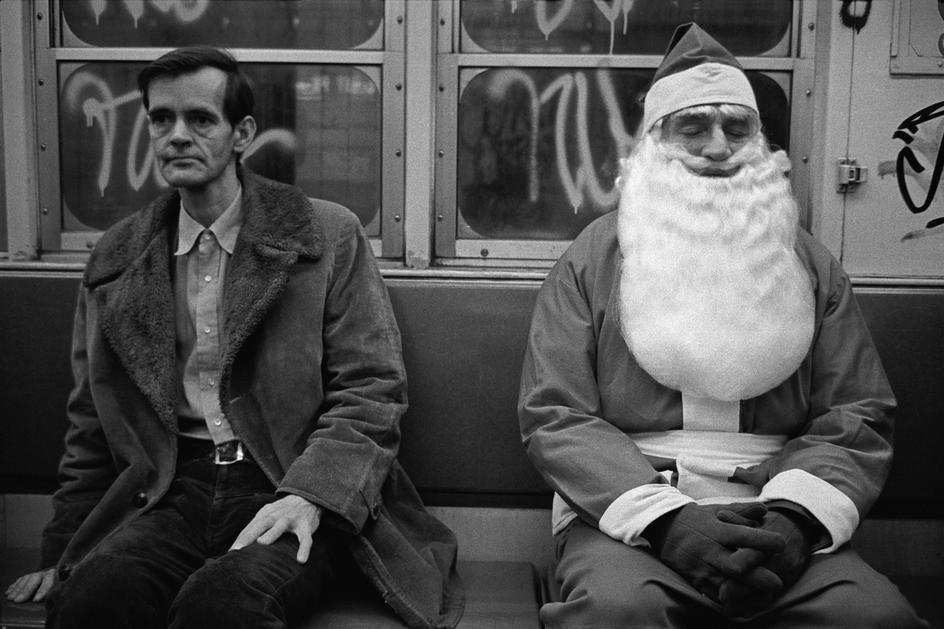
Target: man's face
{"points": [[712, 137], [193, 141]]}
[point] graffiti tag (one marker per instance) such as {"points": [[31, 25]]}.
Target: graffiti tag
{"points": [[567, 91], [107, 165], [548, 23], [185, 11], [918, 154]]}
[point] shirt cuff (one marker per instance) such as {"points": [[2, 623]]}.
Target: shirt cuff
{"points": [[832, 508], [629, 515]]}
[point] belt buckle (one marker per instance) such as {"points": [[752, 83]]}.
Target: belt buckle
{"points": [[228, 453]]}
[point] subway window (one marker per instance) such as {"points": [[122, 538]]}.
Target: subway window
{"points": [[529, 106], [319, 129], [542, 99], [319, 69]]}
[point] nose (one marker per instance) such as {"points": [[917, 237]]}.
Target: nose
{"points": [[717, 147], [180, 132]]}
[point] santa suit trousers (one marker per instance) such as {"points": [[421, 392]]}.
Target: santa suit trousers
{"points": [[607, 584]]}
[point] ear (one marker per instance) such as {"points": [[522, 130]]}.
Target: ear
{"points": [[245, 131]]}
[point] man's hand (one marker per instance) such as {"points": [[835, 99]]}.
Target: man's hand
{"points": [[32, 587], [800, 534], [289, 514], [699, 542], [739, 597]]}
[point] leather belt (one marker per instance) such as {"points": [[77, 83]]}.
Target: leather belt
{"points": [[226, 453], [229, 452]]}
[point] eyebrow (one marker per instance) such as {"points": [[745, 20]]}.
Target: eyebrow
{"points": [[688, 118], [738, 117], [725, 119], [199, 111]]}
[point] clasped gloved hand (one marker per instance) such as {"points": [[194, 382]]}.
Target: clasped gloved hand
{"points": [[800, 532], [699, 542]]}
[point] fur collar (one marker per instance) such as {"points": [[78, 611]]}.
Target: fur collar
{"points": [[128, 278], [276, 215]]}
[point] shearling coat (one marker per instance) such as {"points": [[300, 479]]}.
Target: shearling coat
{"points": [[312, 381]]}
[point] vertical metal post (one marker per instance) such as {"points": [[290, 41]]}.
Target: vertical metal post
{"points": [[420, 134], [19, 125]]}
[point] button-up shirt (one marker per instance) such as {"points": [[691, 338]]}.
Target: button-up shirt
{"points": [[200, 267]]}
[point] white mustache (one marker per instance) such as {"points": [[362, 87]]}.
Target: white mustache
{"points": [[751, 153]]}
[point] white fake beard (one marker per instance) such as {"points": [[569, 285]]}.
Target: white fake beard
{"points": [[714, 301]]}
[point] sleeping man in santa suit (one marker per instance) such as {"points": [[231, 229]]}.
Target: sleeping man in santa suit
{"points": [[701, 391]]}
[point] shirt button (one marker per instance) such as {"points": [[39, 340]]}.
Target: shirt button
{"points": [[207, 278], [206, 330], [217, 422], [211, 382]]}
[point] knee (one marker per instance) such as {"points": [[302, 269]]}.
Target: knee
{"points": [[903, 616], [893, 612], [878, 606], [102, 591], [211, 597], [611, 607]]}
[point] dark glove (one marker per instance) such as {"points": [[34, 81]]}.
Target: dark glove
{"points": [[800, 531], [698, 542], [742, 598]]}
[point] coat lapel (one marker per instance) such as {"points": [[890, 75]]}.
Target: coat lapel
{"points": [[129, 277], [132, 289], [279, 227]]}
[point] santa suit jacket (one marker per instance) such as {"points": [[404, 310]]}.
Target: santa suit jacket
{"points": [[583, 396], [312, 381]]}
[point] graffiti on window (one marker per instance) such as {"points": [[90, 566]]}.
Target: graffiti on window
{"points": [[319, 128], [539, 148], [746, 27], [316, 24]]}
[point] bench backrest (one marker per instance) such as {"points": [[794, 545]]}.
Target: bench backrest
{"points": [[463, 344]]}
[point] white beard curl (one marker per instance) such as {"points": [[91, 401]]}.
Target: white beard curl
{"points": [[714, 301]]}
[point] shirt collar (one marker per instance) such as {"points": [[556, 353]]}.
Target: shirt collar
{"points": [[225, 227]]}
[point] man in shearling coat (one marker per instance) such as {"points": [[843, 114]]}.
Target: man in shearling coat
{"points": [[701, 391], [238, 387]]}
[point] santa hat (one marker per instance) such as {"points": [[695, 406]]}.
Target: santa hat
{"points": [[696, 70]]}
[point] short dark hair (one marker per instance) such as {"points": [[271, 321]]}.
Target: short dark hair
{"points": [[238, 100]]}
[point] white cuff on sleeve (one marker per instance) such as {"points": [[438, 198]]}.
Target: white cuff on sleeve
{"points": [[629, 515], [834, 509]]}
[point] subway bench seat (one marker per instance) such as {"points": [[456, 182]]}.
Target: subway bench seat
{"points": [[463, 343]]}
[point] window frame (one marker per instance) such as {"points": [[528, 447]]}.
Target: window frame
{"points": [[452, 249], [19, 122], [388, 65]]}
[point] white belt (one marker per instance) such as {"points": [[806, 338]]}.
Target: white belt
{"points": [[706, 460]]}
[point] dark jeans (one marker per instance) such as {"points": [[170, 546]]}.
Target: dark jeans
{"points": [[171, 566]]}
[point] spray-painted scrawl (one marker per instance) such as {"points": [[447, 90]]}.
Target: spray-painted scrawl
{"points": [[920, 162]]}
